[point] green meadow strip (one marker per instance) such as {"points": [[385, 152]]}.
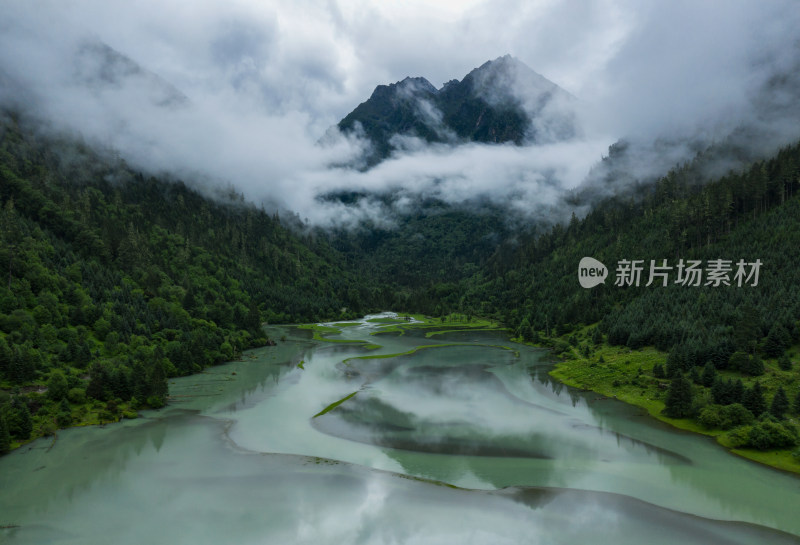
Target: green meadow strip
{"points": [[469, 329], [424, 346], [334, 405], [320, 329]]}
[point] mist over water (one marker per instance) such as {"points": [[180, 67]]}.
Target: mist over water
{"points": [[242, 458]]}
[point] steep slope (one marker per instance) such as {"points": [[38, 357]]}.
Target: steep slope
{"points": [[101, 68], [501, 101], [113, 282]]}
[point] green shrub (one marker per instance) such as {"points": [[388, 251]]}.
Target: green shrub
{"points": [[768, 435], [77, 396], [735, 415], [710, 417]]}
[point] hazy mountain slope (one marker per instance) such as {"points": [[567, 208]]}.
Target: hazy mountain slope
{"points": [[501, 101]]}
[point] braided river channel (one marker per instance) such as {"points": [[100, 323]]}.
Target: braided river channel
{"points": [[456, 437]]}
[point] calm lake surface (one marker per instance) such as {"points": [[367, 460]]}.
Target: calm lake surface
{"points": [[466, 441]]}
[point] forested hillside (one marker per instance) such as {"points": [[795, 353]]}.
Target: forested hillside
{"points": [[728, 358], [112, 282], [754, 214]]}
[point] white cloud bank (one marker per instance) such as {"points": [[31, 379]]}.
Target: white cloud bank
{"points": [[265, 80]]}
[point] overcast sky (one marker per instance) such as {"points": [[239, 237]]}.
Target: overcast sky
{"points": [[266, 79]]}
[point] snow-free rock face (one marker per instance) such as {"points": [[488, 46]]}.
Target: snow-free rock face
{"points": [[501, 101]]}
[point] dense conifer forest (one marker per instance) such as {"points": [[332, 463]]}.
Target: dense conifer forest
{"points": [[114, 280]]}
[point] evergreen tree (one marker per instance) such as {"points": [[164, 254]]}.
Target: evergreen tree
{"points": [[777, 341], [20, 423], [678, 403], [746, 329], [5, 437], [709, 375], [141, 386], [98, 382], [64, 416], [753, 400], [57, 385], [785, 363], [780, 403], [754, 367], [23, 367], [84, 355], [253, 319], [524, 330], [120, 385], [720, 391], [5, 357], [158, 386], [738, 361], [737, 391], [675, 362]]}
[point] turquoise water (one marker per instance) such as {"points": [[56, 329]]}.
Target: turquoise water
{"points": [[464, 443]]}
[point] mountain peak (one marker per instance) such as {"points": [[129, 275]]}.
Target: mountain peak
{"points": [[503, 100], [99, 66], [509, 79]]}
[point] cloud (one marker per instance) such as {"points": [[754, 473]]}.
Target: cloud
{"points": [[264, 81]]}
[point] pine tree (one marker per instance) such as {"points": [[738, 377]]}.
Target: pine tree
{"points": [[720, 391], [746, 329], [753, 400], [20, 424], [777, 341], [675, 362], [57, 385], [97, 383], [709, 374], [785, 363], [755, 366], [780, 403], [158, 386], [11, 232], [738, 361], [120, 384], [5, 437], [5, 357], [524, 330], [64, 416], [679, 398], [253, 319], [737, 391]]}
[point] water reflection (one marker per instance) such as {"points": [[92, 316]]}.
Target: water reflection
{"points": [[555, 465]]}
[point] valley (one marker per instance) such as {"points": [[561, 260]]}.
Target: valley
{"points": [[472, 425], [399, 273]]}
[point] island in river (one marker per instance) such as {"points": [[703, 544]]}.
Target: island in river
{"points": [[396, 433]]}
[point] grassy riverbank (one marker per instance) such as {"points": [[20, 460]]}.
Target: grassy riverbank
{"points": [[628, 375]]}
